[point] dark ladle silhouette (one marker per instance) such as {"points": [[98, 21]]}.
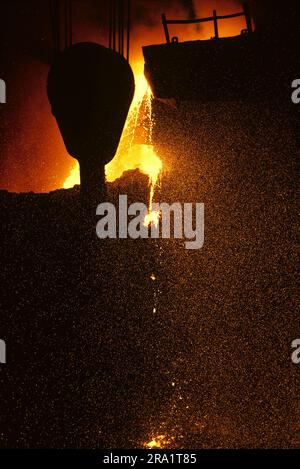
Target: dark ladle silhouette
{"points": [[90, 89]]}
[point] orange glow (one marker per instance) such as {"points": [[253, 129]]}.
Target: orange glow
{"points": [[127, 157], [37, 160], [131, 156], [73, 178], [144, 35], [160, 441], [141, 156], [153, 215]]}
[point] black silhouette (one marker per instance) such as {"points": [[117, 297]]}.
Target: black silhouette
{"points": [[90, 89], [101, 352], [237, 68]]}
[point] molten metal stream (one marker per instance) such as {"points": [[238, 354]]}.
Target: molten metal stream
{"points": [[132, 156]]}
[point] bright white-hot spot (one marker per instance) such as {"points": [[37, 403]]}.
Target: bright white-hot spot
{"points": [[128, 221], [132, 156], [160, 441]]}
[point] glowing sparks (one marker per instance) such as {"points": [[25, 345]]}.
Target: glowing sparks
{"points": [[142, 157], [160, 441], [131, 156], [152, 217]]}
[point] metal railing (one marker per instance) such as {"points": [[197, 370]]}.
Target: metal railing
{"points": [[214, 19]]}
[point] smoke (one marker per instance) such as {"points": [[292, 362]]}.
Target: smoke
{"points": [[189, 6], [33, 156], [146, 12]]}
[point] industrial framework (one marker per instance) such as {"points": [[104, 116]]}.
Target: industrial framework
{"points": [[61, 24], [119, 12], [119, 26]]}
